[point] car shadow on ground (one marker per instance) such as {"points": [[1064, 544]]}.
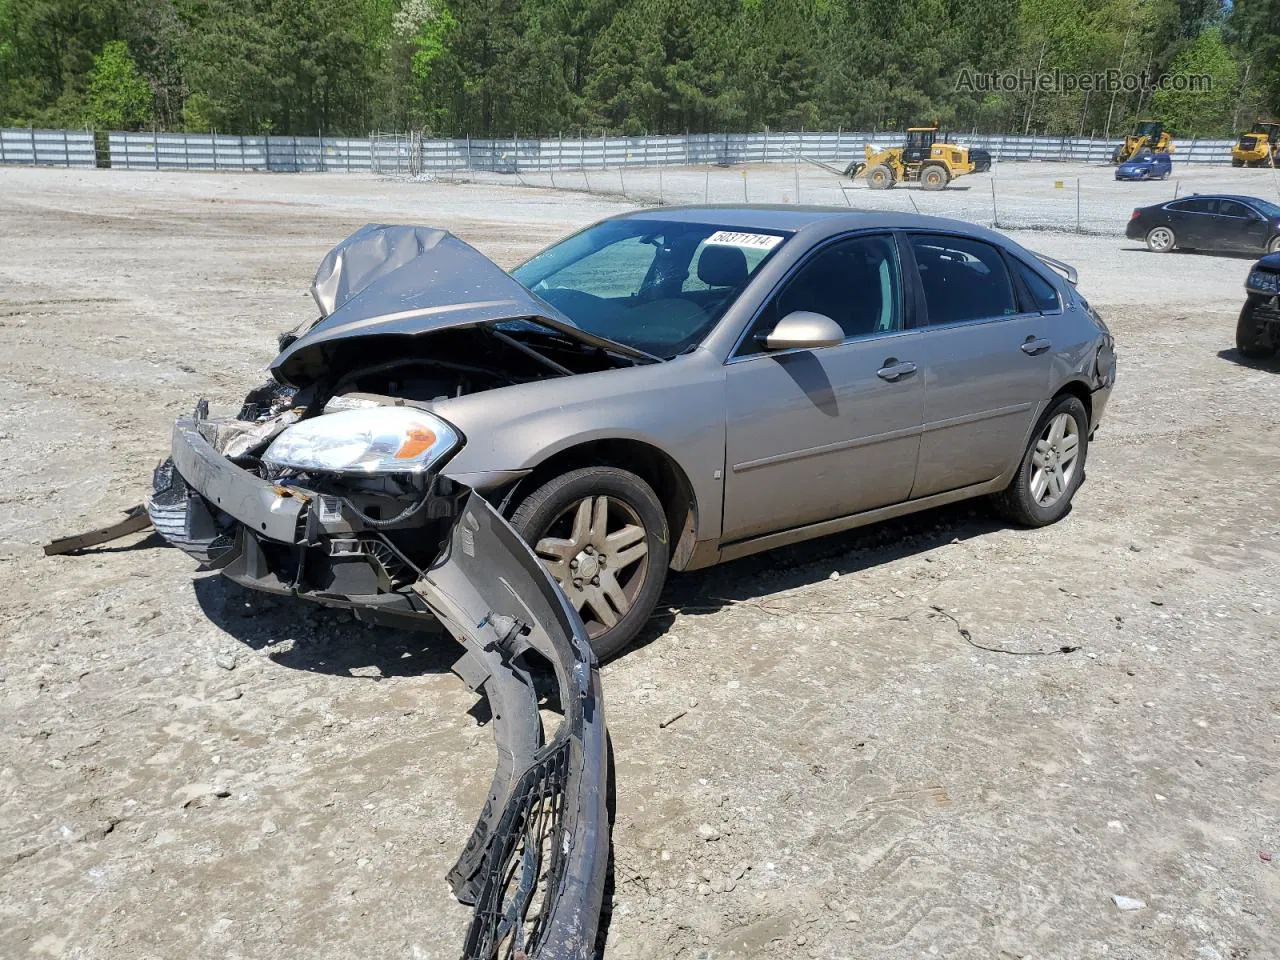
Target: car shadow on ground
{"points": [[754, 579], [1271, 364], [324, 640], [1139, 247]]}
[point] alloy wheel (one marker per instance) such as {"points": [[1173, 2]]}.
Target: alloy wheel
{"points": [[597, 549], [1161, 238], [1055, 460]]}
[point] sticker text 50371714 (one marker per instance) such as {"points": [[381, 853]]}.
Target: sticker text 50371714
{"points": [[756, 241]]}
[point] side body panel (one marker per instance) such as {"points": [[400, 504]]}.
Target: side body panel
{"points": [[815, 434]]}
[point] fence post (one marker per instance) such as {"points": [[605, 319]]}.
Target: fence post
{"points": [[213, 143], [1, 146], [66, 151], [155, 147]]}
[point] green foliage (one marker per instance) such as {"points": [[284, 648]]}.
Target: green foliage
{"points": [[542, 67], [118, 97], [1192, 112]]}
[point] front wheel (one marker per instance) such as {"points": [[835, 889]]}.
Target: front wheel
{"points": [[880, 177], [1052, 466], [602, 534], [1161, 239], [1274, 245], [1251, 336]]}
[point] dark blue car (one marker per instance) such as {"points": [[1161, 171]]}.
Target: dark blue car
{"points": [[1145, 165], [1258, 329]]}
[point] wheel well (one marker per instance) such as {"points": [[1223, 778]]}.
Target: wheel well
{"points": [[1082, 393], [646, 461]]}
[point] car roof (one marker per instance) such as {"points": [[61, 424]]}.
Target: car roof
{"points": [[794, 217], [1220, 196]]}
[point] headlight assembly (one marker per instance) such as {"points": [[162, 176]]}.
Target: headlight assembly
{"points": [[375, 440]]}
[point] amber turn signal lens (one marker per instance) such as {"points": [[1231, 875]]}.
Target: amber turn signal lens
{"points": [[417, 441]]}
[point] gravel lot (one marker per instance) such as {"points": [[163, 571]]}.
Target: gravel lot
{"points": [[189, 771]]}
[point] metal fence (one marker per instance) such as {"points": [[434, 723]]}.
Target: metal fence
{"points": [[189, 151], [412, 154], [57, 148]]}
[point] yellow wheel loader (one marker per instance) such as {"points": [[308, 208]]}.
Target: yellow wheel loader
{"points": [[1260, 147], [1148, 133], [922, 159]]}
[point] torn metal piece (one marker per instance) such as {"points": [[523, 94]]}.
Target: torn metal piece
{"points": [[135, 521]]}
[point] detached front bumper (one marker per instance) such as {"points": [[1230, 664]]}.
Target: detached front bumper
{"points": [[534, 868]]}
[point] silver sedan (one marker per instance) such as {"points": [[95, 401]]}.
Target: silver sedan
{"points": [[664, 390]]}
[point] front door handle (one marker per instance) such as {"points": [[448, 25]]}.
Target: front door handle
{"points": [[1034, 346], [895, 369]]}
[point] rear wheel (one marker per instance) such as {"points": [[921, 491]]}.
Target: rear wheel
{"points": [[602, 534], [1052, 466], [880, 177], [1160, 239], [1251, 335], [1274, 245], [934, 177]]}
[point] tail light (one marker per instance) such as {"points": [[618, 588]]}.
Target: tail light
{"points": [[1136, 213]]}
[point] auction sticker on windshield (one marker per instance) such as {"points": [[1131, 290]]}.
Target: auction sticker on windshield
{"points": [[756, 241]]}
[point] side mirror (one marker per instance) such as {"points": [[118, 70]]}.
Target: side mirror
{"points": [[803, 330]]}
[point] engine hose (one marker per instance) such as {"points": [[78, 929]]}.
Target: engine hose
{"points": [[408, 512]]}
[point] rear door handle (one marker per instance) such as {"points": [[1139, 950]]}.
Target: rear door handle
{"points": [[894, 369], [1034, 346]]}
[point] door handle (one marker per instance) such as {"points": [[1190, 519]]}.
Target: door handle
{"points": [[1034, 346], [894, 369]]}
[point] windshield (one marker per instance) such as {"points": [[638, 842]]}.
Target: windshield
{"points": [[1149, 130], [659, 286]]}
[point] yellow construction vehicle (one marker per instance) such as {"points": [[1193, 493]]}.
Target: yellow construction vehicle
{"points": [[1147, 133], [1260, 147], [922, 159]]}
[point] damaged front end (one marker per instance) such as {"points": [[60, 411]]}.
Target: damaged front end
{"points": [[416, 544]]}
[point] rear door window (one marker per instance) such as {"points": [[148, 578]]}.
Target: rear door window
{"points": [[964, 280], [1200, 205]]}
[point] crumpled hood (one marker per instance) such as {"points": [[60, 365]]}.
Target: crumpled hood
{"points": [[407, 280]]}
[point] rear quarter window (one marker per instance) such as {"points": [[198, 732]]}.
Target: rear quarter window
{"points": [[1044, 295]]}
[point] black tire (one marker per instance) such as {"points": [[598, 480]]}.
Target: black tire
{"points": [[880, 177], [1274, 245], [934, 177], [1117, 155], [1237, 162], [1156, 242], [546, 511], [1018, 502], [1251, 336]]}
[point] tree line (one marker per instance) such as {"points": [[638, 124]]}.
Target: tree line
{"points": [[546, 67]]}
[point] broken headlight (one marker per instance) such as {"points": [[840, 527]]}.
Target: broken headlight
{"points": [[376, 440]]}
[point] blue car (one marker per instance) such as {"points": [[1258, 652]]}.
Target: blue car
{"points": [[1145, 165], [1258, 329]]}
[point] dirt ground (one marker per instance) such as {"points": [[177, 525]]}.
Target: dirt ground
{"points": [[188, 771]]}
